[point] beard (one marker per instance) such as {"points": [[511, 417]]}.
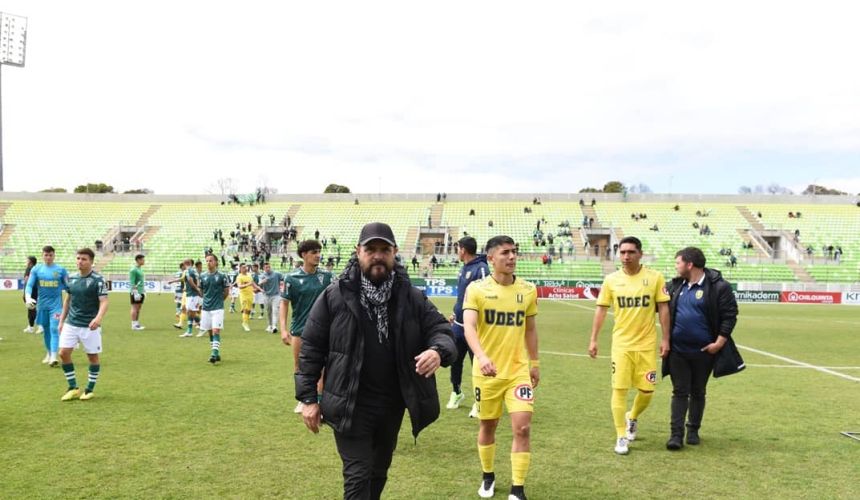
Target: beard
{"points": [[377, 272]]}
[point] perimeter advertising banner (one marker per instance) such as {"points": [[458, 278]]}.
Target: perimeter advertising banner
{"points": [[811, 297], [568, 292], [436, 287], [852, 298], [756, 296], [123, 286], [11, 284]]}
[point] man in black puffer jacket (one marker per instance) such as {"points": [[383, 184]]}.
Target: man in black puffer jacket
{"points": [[380, 340], [704, 314]]}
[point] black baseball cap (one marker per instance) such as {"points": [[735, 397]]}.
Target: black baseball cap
{"points": [[376, 231]]}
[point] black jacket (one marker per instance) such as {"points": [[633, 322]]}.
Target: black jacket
{"points": [[721, 310], [332, 339]]}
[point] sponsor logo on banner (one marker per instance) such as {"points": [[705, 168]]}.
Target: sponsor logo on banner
{"points": [[852, 298], [436, 287], [125, 286], [567, 292], [811, 297], [9, 284], [751, 296]]}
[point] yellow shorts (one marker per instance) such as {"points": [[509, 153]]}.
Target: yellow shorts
{"points": [[517, 393], [182, 303], [246, 303], [634, 369]]}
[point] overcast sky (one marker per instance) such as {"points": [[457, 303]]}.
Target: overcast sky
{"points": [[458, 96]]}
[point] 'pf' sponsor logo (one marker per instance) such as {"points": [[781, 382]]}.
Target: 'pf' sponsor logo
{"points": [[524, 392]]}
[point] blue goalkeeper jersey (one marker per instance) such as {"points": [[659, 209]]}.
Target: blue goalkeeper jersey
{"points": [[51, 280]]}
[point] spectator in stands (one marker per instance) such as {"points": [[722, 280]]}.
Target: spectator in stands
{"points": [[733, 261], [317, 234], [593, 202], [584, 221], [696, 225], [634, 216], [444, 196], [758, 214], [356, 201], [676, 208], [438, 197], [837, 255], [796, 235], [471, 211], [809, 251], [581, 202], [414, 262], [259, 220], [490, 223], [434, 262], [615, 249], [790, 215], [654, 227], [590, 222], [698, 213]]}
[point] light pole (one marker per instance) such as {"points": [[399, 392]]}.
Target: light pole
{"points": [[13, 40]]}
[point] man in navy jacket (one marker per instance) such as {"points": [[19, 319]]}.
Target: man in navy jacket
{"points": [[474, 268]]}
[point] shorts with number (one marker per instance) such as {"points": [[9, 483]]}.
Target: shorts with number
{"points": [[234, 291], [178, 297], [259, 298], [137, 300], [516, 393], [246, 303], [212, 319], [634, 369], [90, 339], [192, 304]]}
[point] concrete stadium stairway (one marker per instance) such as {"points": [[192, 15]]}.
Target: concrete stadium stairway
{"points": [[802, 275], [751, 218]]}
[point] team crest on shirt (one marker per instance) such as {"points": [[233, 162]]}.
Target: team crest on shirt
{"points": [[645, 282], [651, 377], [468, 274], [520, 298], [321, 278], [524, 392], [699, 294], [56, 274], [301, 281]]}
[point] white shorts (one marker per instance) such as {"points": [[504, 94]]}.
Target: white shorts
{"points": [[259, 298], [192, 304], [177, 297], [234, 291], [210, 320], [90, 339]]}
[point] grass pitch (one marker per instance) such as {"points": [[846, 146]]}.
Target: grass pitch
{"points": [[166, 424]]}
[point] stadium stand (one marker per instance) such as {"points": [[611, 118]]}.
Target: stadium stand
{"points": [[170, 230]]}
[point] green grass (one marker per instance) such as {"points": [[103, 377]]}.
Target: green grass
{"points": [[166, 424]]}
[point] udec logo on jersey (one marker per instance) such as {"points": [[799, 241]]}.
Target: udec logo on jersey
{"points": [[502, 318], [524, 392]]}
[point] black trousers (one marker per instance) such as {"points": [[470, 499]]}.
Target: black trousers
{"points": [[367, 449], [690, 373], [462, 350]]}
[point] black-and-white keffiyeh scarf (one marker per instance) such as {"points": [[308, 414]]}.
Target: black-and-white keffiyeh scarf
{"points": [[374, 300]]}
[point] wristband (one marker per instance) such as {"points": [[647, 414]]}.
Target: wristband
{"points": [[535, 363]]}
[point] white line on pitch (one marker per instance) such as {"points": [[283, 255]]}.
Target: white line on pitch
{"points": [[754, 365], [803, 364]]}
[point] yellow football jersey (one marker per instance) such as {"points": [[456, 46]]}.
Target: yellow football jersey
{"points": [[502, 312], [634, 302], [248, 291]]}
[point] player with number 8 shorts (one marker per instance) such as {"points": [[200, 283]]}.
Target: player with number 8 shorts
{"points": [[499, 321]]}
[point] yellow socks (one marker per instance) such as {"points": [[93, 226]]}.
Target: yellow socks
{"points": [[640, 403], [487, 453], [619, 408], [245, 316], [519, 467]]}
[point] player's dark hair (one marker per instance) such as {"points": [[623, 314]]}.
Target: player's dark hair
{"points": [[633, 240], [88, 252], [213, 257], [308, 246], [139, 256], [693, 256], [198, 263], [469, 244], [181, 264], [32, 260], [47, 249], [497, 241]]}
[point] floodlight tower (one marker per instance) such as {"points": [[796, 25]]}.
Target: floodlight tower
{"points": [[13, 40]]}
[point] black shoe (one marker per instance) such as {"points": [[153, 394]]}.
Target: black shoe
{"points": [[675, 443], [213, 359], [693, 436], [218, 357], [517, 492]]}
